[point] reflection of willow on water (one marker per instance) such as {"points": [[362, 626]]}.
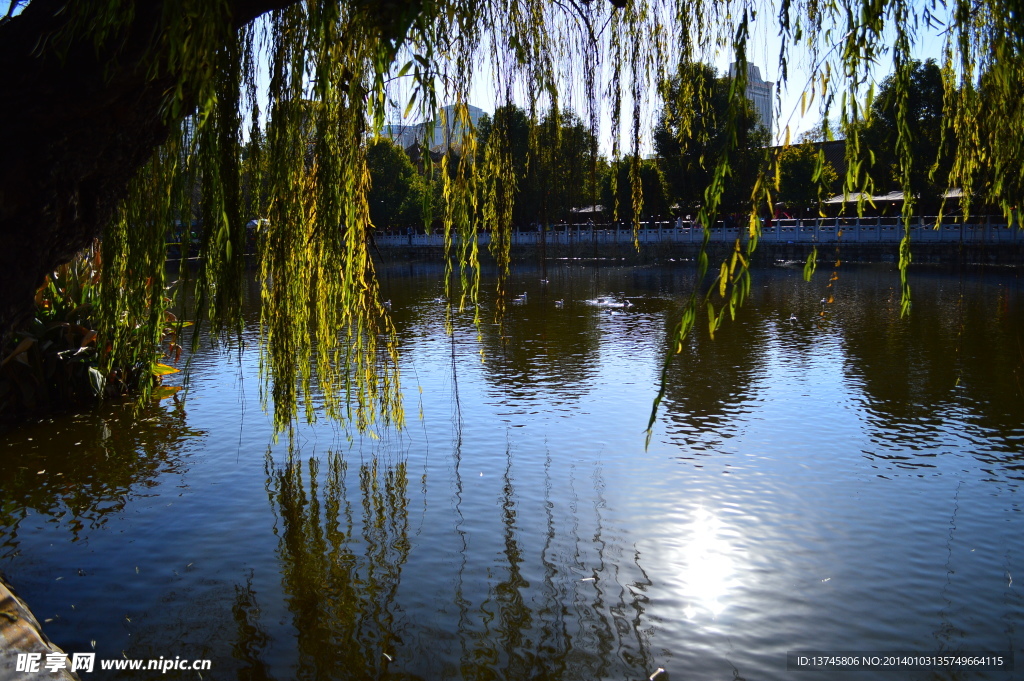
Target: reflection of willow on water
{"points": [[546, 603], [341, 588], [251, 639], [949, 635], [87, 468], [566, 627], [711, 381], [514, 617]]}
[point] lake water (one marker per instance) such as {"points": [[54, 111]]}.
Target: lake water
{"points": [[846, 482]]}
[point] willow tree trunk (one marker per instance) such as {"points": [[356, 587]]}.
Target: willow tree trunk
{"points": [[76, 127], [71, 136]]}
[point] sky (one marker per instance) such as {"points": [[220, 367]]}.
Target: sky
{"points": [[762, 51]]}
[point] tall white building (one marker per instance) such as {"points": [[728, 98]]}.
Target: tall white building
{"points": [[760, 93], [445, 131]]}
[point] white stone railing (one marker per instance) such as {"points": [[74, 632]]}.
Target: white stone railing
{"points": [[980, 230]]}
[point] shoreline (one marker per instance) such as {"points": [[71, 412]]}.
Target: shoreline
{"points": [[946, 254], [20, 634]]}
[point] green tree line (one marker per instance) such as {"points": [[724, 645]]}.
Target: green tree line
{"points": [[557, 168], [553, 161]]}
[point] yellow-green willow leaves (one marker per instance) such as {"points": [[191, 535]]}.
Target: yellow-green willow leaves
{"points": [[275, 116]]}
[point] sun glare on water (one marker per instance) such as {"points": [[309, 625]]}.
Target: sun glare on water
{"points": [[708, 565]]}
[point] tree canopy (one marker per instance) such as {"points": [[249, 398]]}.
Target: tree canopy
{"points": [[923, 115], [617, 186], [115, 110], [805, 177], [553, 159], [397, 192], [696, 128]]}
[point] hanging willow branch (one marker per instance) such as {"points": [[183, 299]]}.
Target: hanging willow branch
{"points": [[135, 120]]}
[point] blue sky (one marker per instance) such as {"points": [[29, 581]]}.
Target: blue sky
{"points": [[763, 51]]}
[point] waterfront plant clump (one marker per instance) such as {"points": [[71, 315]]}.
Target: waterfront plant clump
{"points": [[62, 359], [263, 108]]}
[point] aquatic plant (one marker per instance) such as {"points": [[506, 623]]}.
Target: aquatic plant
{"points": [[65, 356]]}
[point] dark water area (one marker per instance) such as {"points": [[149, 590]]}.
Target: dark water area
{"points": [[842, 482]]}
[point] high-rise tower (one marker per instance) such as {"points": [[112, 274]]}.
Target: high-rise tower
{"points": [[760, 93]]}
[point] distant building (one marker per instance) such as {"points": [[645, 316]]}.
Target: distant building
{"points": [[889, 204], [760, 93], [443, 132]]}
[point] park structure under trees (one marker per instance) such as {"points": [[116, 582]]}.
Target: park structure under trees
{"points": [[117, 110]]}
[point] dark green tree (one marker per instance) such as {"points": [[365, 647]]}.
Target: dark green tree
{"points": [[931, 155], [552, 159], [693, 133], [652, 185], [566, 166], [805, 177], [396, 190], [512, 125]]}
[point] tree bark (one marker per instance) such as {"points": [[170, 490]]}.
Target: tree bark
{"points": [[75, 130]]}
